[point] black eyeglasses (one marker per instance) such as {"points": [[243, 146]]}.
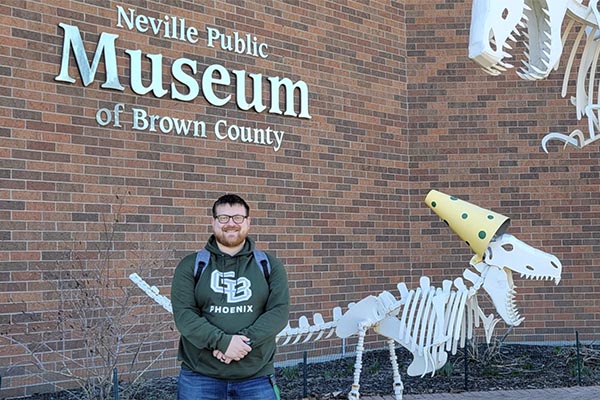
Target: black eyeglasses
{"points": [[223, 219]]}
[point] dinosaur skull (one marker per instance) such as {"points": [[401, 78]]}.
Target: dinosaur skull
{"points": [[494, 22], [505, 255]]}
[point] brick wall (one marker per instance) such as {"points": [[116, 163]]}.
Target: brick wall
{"points": [[397, 109], [479, 137]]}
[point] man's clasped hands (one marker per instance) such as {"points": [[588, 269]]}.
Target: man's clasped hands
{"points": [[238, 348]]}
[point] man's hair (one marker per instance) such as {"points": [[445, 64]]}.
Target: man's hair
{"points": [[231, 199]]}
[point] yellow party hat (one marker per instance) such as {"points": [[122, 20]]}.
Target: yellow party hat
{"points": [[475, 225]]}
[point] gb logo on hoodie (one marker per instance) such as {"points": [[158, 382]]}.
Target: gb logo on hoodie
{"points": [[237, 290]]}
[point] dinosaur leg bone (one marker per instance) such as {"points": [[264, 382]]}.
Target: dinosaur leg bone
{"points": [[398, 385], [360, 347]]}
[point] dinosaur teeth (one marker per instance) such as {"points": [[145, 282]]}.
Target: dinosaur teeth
{"points": [[511, 308], [548, 57], [523, 74], [542, 74], [491, 71]]}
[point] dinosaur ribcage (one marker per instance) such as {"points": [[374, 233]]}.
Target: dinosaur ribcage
{"points": [[432, 323]]}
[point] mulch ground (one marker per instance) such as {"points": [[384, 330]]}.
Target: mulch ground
{"points": [[488, 368], [504, 368]]}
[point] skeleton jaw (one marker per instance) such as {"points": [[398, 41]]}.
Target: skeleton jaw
{"points": [[498, 284], [507, 254], [495, 22], [506, 251], [543, 19]]}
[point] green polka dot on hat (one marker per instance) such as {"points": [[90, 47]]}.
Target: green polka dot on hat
{"points": [[473, 224]]}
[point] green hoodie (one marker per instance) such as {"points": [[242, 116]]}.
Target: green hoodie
{"points": [[232, 297]]}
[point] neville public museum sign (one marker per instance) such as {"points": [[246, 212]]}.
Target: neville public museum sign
{"points": [[188, 83]]}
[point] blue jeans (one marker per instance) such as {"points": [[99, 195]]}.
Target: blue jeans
{"points": [[195, 386]]}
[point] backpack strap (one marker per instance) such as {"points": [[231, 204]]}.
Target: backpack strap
{"points": [[262, 260], [203, 257]]}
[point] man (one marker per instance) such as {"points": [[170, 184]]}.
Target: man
{"points": [[228, 320]]}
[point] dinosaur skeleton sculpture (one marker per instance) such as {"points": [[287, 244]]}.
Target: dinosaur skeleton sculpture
{"points": [[429, 322], [495, 22]]}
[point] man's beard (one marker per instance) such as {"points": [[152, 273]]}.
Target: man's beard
{"points": [[230, 241]]}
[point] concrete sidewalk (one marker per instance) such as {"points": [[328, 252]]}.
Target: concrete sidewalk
{"points": [[571, 393]]}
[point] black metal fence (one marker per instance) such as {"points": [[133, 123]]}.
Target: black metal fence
{"points": [[476, 367]]}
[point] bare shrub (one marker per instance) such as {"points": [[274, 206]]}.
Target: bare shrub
{"points": [[102, 324]]}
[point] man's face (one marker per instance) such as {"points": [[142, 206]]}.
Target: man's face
{"points": [[231, 234]]}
